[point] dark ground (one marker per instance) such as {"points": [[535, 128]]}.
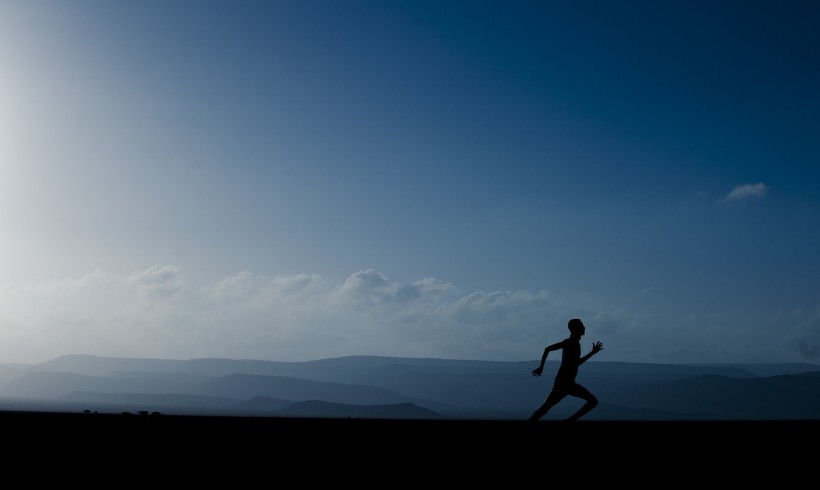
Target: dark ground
{"points": [[244, 451]]}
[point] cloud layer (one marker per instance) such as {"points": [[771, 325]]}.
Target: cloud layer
{"points": [[158, 313]]}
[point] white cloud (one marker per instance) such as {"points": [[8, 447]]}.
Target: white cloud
{"points": [[233, 286], [245, 287], [158, 282], [500, 306], [747, 191], [371, 288]]}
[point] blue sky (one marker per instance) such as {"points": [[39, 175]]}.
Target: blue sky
{"points": [[297, 180]]}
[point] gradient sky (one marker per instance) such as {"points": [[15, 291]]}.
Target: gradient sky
{"points": [[296, 180]]}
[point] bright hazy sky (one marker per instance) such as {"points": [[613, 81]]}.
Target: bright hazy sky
{"points": [[296, 180]]}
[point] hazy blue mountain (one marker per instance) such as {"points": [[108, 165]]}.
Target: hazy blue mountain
{"points": [[159, 390], [45, 384], [774, 369], [137, 401], [246, 386], [322, 409], [720, 397], [264, 405], [8, 372], [448, 388], [104, 366]]}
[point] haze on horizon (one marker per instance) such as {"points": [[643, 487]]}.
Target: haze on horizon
{"points": [[300, 180]]}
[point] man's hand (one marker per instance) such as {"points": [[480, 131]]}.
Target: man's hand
{"points": [[597, 346], [537, 371]]}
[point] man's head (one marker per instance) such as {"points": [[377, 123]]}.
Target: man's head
{"points": [[576, 327]]}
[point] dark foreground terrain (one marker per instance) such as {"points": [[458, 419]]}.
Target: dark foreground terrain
{"points": [[241, 451]]}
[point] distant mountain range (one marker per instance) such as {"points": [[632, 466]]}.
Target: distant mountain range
{"points": [[408, 388]]}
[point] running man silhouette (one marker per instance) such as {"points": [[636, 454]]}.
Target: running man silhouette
{"points": [[567, 372]]}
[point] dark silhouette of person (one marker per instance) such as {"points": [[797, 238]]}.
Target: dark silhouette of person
{"points": [[565, 384]]}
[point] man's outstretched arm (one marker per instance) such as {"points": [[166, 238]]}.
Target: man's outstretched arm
{"points": [[596, 348]]}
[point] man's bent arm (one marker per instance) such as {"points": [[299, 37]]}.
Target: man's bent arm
{"points": [[547, 350]]}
